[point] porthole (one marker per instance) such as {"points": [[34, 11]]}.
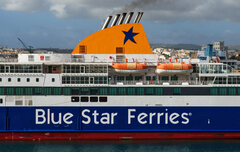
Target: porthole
{"points": [[75, 99], [93, 99], [84, 99], [102, 99]]}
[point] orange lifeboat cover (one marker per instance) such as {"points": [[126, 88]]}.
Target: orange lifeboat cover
{"points": [[129, 66], [175, 66]]}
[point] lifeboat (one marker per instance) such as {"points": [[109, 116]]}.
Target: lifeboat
{"points": [[174, 69], [129, 68]]}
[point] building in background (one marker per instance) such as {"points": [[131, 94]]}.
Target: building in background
{"points": [[219, 46], [212, 51]]}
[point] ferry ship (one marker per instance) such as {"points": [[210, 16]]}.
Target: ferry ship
{"points": [[113, 87]]}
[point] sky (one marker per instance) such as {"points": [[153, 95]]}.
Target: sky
{"points": [[63, 23]]}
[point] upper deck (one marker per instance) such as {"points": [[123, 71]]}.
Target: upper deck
{"points": [[79, 70]]}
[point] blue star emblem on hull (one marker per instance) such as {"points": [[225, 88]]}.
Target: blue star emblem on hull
{"points": [[129, 35]]}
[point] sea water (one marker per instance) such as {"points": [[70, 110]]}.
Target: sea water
{"points": [[124, 146]]}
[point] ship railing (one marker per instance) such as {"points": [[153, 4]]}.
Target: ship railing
{"points": [[8, 60], [164, 83]]}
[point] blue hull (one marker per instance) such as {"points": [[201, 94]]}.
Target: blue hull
{"points": [[119, 119]]}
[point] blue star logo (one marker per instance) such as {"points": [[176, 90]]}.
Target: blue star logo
{"points": [[129, 35]]}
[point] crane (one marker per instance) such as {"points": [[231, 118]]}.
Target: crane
{"points": [[28, 48]]}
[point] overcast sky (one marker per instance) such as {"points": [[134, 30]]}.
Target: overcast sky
{"points": [[62, 23]]}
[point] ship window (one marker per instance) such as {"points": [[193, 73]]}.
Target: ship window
{"points": [[149, 91], [66, 69], [1, 100], [47, 91], [9, 79], [18, 79], [223, 91], [1, 91], [174, 78], [93, 99], [82, 69], [122, 91], [38, 91], [140, 91], [66, 91], [131, 91], [176, 91], [103, 99], [232, 91], [154, 78], [148, 78], [82, 49], [78, 80], [28, 91], [84, 99], [238, 91], [103, 91], [112, 91], [0, 79], [19, 91], [105, 79], [56, 91], [37, 79], [75, 99], [64, 81], [84, 91], [158, 91], [53, 79], [82, 80], [119, 50], [28, 79], [138, 78], [10, 91], [120, 78], [129, 78], [213, 91], [165, 78], [75, 91], [97, 80], [94, 91], [18, 102], [87, 80], [2, 68]]}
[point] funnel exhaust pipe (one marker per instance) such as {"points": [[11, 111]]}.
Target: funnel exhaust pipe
{"points": [[129, 17], [115, 20], [122, 18], [105, 25], [137, 16], [140, 17]]}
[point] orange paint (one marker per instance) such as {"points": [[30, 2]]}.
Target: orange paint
{"points": [[132, 66], [107, 41], [175, 66]]}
